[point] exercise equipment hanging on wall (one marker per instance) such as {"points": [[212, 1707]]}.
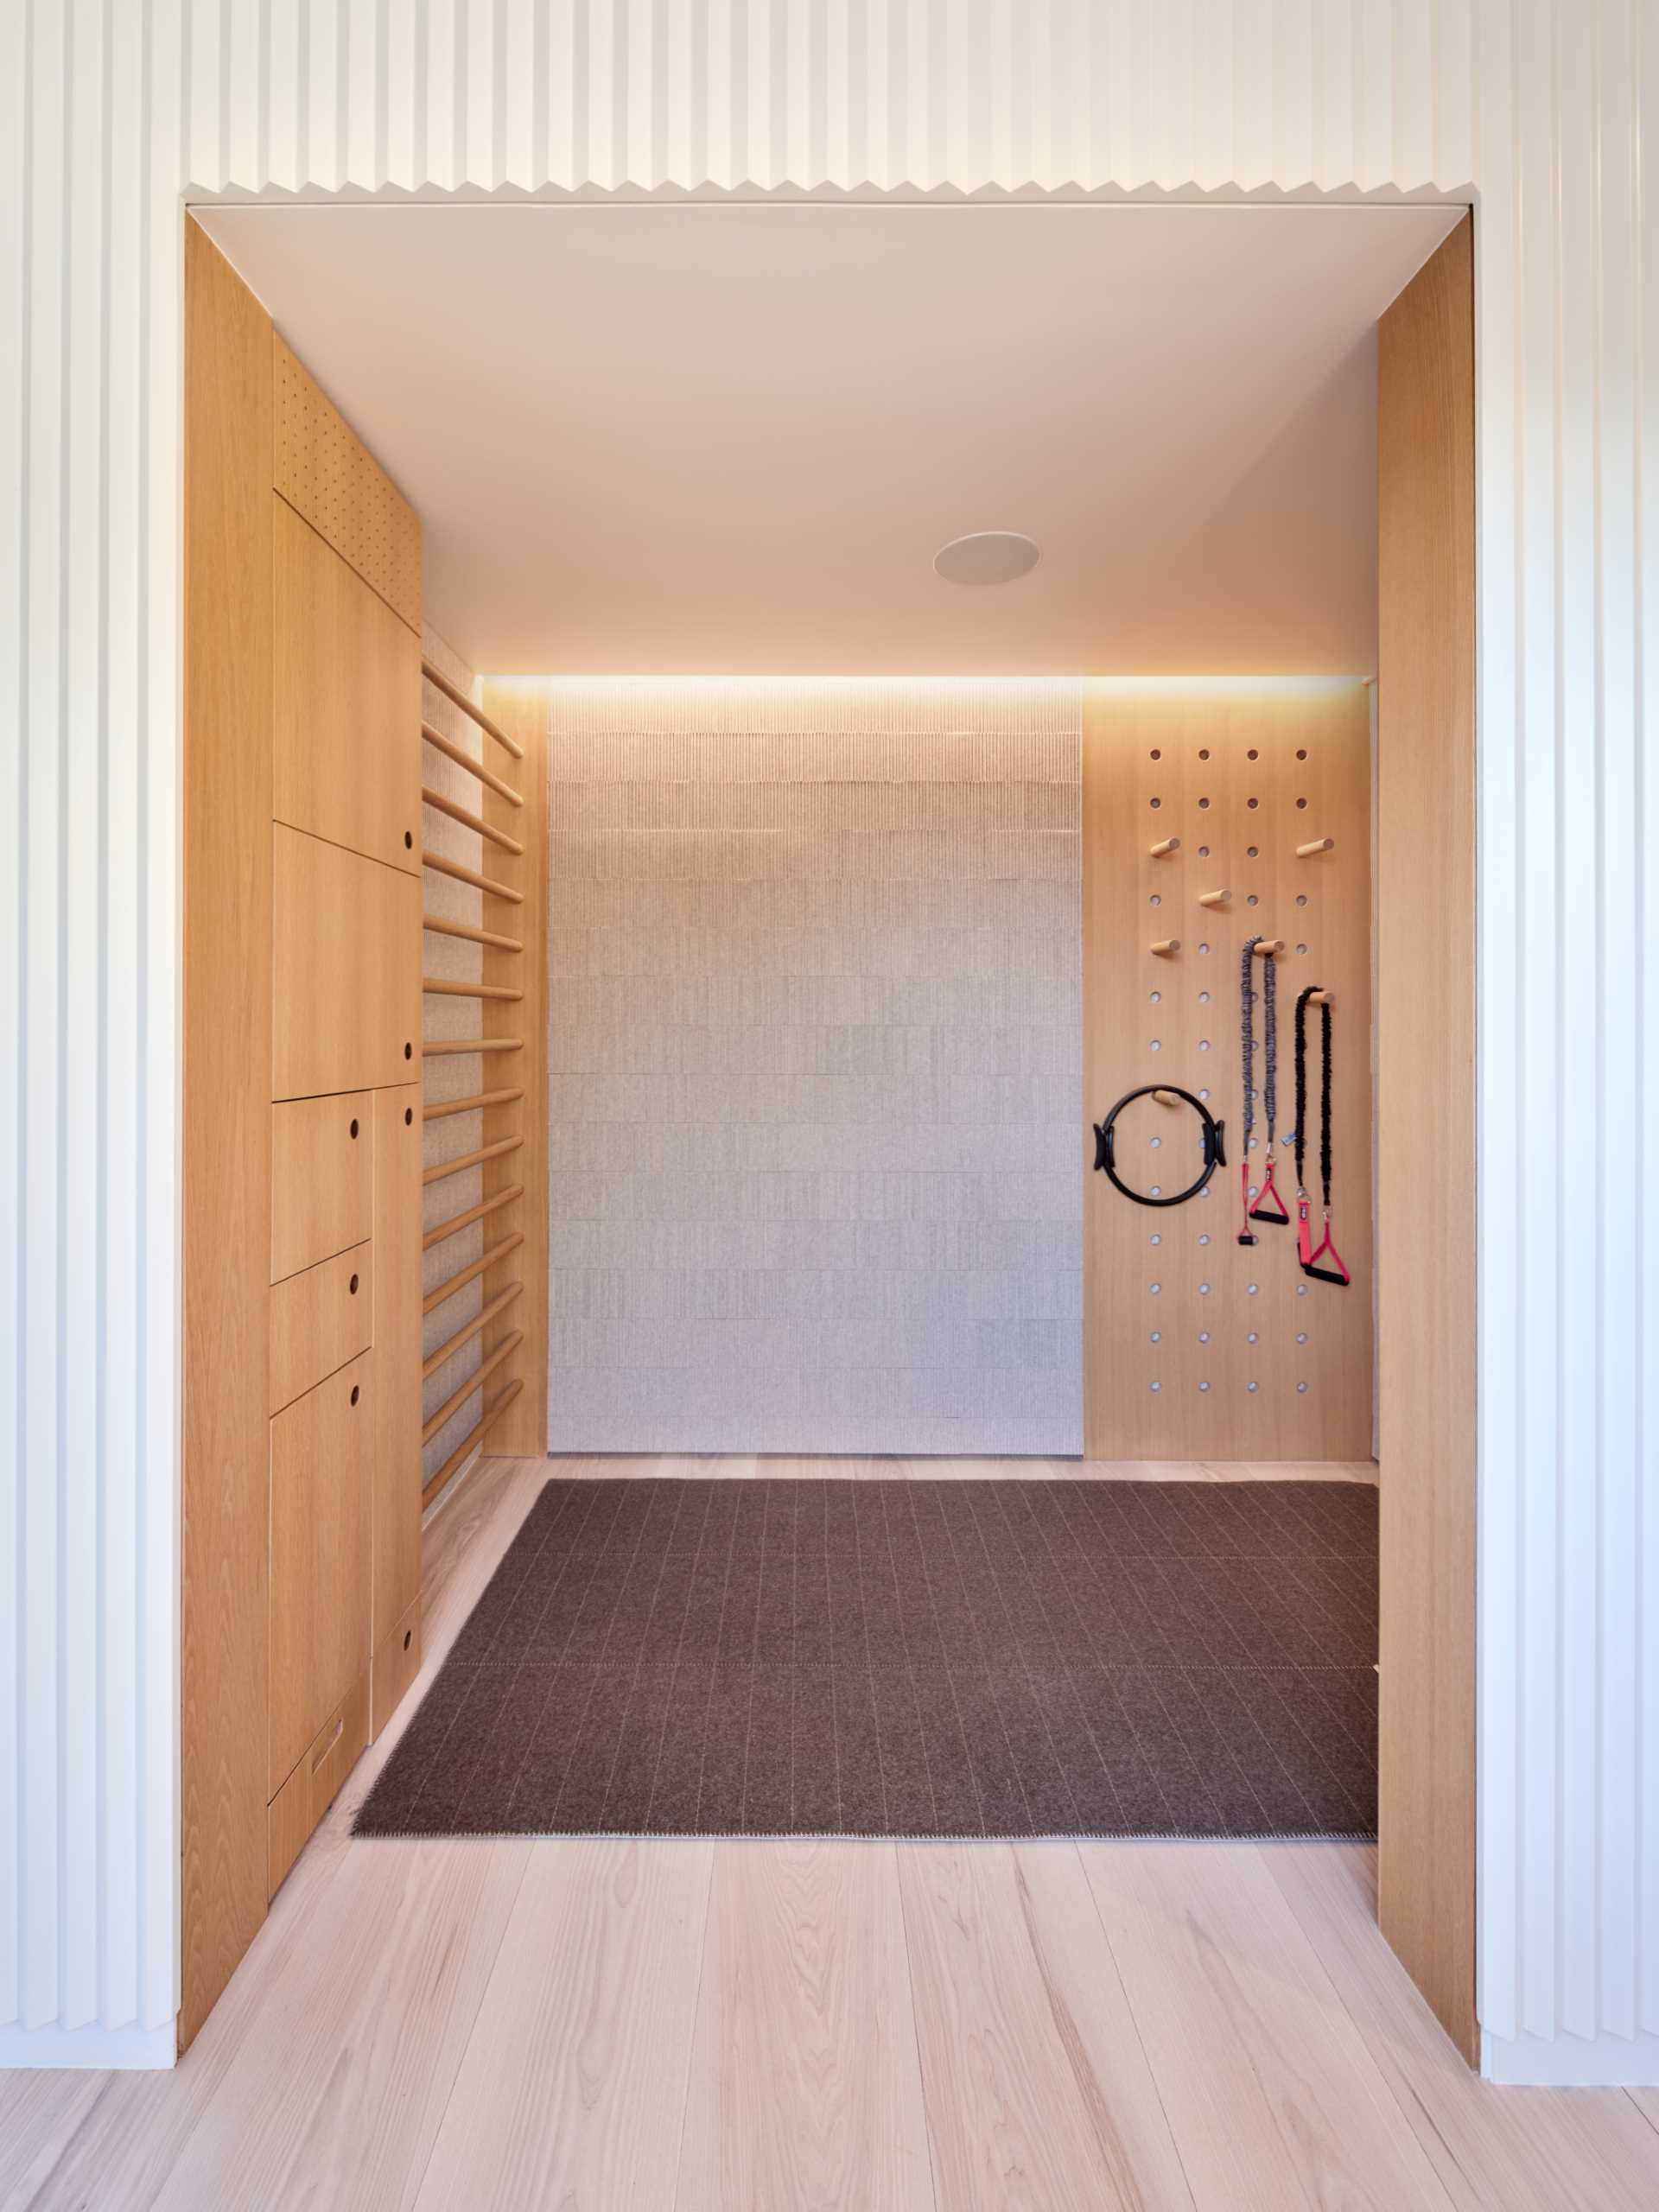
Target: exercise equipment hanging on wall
{"points": [[1211, 1132], [1309, 1254], [1268, 1206]]}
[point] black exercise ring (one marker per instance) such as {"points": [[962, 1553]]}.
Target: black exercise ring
{"points": [[1213, 1131]]}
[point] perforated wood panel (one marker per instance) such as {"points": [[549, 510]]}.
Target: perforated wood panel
{"points": [[1195, 1346], [325, 474]]}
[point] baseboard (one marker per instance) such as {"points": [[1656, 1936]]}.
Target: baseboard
{"points": [[1567, 2062], [114, 2050]]}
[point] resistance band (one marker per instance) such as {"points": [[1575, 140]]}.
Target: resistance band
{"points": [[1261, 1211], [1307, 1252]]}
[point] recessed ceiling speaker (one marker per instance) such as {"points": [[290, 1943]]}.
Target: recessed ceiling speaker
{"points": [[987, 556]]}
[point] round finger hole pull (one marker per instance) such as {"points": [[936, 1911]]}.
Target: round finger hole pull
{"points": [[408, 1115], [354, 1392], [408, 1051], [354, 1285], [354, 1125]]}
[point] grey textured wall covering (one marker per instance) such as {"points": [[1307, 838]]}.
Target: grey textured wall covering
{"points": [[815, 1060]]}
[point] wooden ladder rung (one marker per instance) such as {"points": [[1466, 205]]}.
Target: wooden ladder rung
{"points": [[486, 884], [469, 1443], [434, 1298], [475, 1382], [458, 697], [457, 1221], [451, 751], [442, 987], [464, 1336], [469, 820], [440, 1110], [448, 1167], [437, 924], [460, 1047]]}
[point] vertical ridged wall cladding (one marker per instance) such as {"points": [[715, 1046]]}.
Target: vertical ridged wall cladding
{"points": [[109, 113], [815, 1067]]}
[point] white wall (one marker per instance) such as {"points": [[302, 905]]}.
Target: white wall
{"points": [[109, 111]]}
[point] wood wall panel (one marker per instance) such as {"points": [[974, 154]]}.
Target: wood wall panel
{"points": [[322, 1453], [522, 710], [347, 675], [398, 1335], [345, 974], [1240, 776], [227, 1222], [322, 1179], [1425, 1166], [327, 475]]}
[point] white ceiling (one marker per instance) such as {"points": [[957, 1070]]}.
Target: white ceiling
{"points": [[731, 439]]}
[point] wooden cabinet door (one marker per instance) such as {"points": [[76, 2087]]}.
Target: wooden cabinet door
{"points": [[321, 1458], [321, 1179], [398, 1375], [346, 988], [346, 704]]}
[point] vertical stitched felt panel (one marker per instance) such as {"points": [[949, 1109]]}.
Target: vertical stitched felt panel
{"points": [[815, 1053]]}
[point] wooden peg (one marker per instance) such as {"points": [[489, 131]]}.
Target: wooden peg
{"points": [[1317, 845], [1267, 946], [1168, 845], [1166, 945], [1321, 998], [1214, 897], [1164, 1098]]}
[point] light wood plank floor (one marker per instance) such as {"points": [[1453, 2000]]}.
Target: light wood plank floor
{"points": [[517, 2023]]}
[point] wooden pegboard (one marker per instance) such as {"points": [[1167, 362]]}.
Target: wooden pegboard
{"points": [[325, 474], [1242, 776]]}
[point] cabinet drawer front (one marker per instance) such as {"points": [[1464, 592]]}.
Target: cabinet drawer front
{"points": [[314, 1784], [346, 1009], [345, 703], [319, 1320], [321, 1454], [322, 1179]]}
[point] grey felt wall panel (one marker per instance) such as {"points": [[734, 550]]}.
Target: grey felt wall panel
{"points": [[814, 1046]]}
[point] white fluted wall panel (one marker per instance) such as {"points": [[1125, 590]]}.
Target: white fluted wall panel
{"points": [[110, 110]]}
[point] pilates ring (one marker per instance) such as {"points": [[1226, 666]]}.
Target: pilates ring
{"points": [[1212, 1132]]}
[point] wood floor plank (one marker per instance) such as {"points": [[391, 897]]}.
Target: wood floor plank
{"points": [[1014, 2105], [1272, 2099], [339, 2103], [40, 2114], [573, 2088], [805, 2089], [1508, 2150], [1097, 2026]]}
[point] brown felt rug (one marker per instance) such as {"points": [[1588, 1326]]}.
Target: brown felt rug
{"points": [[912, 1658]]}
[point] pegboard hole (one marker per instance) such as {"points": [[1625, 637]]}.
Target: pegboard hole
{"points": [[1302, 1290], [1156, 1289], [1155, 997], [1301, 897], [1301, 1388], [1157, 1190], [1204, 1290], [1157, 1045], [1252, 900], [1203, 998], [1203, 852], [1156, 1238], [1203, 948], [1157, 1336], [1204, 802], [1252, 1386], [1253, 1287], [1301, 1335], [1203, 1385], [1251, 851], [1205, 1239], [1156, 899], [1204, 1044], [1205, 1192], [1157, 1144], [1203, 1336], [1157, 802], [1157, 1386], [1301, 948]]}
